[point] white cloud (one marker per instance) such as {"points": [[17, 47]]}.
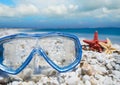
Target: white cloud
{"points": [[57, 10], [42, 3], [85, 5], [60, 9], [20, 10], [26, 9], [68, 8]]}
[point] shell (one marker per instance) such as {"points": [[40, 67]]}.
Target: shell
{"points": [[87, 69]]}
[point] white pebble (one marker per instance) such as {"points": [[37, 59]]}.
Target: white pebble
{"points": [[93, 61], [72, 79], [108, 81], [16, 83], [31, 83], [87, 82], [86, 77], [24, 83], [78, 71], [117, 67], [98, 76], [112, 63], [100, 59], [109, 66], [117, 74], [99, 68]]}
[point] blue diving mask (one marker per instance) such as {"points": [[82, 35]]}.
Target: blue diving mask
{"points": [[62, 51]]}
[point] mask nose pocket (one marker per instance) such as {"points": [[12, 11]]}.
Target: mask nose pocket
{"points": [[38, 65]]}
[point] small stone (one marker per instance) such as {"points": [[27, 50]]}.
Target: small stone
{"points": [[109, 66], [36, 78], [93, 81], [86, 77], [31, 83], [80, 82], [15, 78], [100, 69], [98, 76], [115, 82], [117, 67], [116, 74], [15, 83], [108, 81], [100, 59], [72, 78], [26, 74], [78, 71], [101, 80], [52, 73], [118, 61], [87, 69], [61, 79], [84, 57], [47, 81], [4, 80], [107, 61], [93, 61], [117, 57], [23, 83], [87, 82], [112, 63]]}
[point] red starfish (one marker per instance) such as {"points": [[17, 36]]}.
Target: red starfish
{"points": [[94, 44]]}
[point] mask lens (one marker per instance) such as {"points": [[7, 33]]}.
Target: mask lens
{"points": [[61, 50], [16, 52]]}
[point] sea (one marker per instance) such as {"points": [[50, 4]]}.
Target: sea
{"points": [[112, 33]]}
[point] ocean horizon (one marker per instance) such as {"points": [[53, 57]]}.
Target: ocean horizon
{"points": [[104, 31], [112, 33]]}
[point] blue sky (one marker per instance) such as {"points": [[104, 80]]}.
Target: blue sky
{"points": [[59, 13]]}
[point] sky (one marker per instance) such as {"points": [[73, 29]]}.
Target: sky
{"points": [[59, 13]]}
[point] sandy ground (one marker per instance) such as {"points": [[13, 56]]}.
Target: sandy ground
{"points": [[95, 68]]}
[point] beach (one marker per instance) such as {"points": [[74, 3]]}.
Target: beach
{"points": [[94, 69]]}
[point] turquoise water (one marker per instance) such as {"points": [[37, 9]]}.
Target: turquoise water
{"points": [[112, 33], [105, 31]]}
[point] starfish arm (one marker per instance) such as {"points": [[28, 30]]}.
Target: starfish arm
{"points": [[113, 49], [96, 36], [88, 41], [106, 51], [103, 45], [104, 41], [110, 52], [109, 42]]}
